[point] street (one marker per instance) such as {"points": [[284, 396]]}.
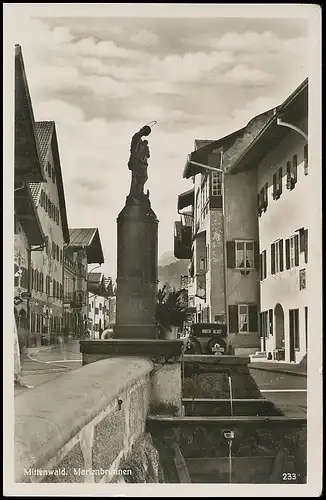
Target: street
{"points": [[48, 364], [288, 392]]}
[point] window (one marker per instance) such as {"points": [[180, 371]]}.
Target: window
{"points": [[277, 184], [294, 327], [244, 254], [262, 199], [96, 310], [277, 265], [49, 169], [100, 307], [53, 175], [216, 183], [305, 157], [61, 256], [202, 264], [292, 251], [291, 172], [243, 318], [263, 265], [219, 318]]}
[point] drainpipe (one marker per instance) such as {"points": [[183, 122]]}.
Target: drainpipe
{"points": [[224, 245]]}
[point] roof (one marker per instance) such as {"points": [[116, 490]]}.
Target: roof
{"points": [[294, 108], [47, 138], [90, 239], [186, 199], [28, 164], [201, 143], [26, 212], [221, 145]]}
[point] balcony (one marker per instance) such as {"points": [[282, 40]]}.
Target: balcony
{"points": [[182, 240]]}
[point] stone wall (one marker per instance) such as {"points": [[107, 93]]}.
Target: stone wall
{"points": [[88, 426]]}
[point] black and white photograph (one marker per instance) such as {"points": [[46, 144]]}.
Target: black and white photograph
{"points": [[163, 245]]}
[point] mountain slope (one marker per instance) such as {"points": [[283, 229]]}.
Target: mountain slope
{"points": [[172, 272]]}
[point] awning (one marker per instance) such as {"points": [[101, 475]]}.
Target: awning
{"points": [[186, 199]]}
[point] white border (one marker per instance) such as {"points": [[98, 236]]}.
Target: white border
{"points": [[311, 13]]}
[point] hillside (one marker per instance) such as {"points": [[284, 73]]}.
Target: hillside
{"points": [[172, 272]]}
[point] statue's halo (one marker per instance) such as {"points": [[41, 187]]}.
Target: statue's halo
{"points": [[151, 124]]}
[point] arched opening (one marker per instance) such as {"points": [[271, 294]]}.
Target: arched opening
{"points": [[279, 327]]}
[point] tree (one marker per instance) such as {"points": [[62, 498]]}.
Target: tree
{"points": [[171, 308]]}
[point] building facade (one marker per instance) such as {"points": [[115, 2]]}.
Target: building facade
{"points": [[279, 157], [100, 306], [223, 273], [84, 248], [28, 232], [46, 310]]}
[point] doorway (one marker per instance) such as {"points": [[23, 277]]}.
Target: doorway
{"points": [[279, 327]]}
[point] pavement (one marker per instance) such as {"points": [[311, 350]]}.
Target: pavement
{"points": [[46, 363], [286, 390], [297, 370]]}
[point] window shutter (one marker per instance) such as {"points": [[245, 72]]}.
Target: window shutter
{"points": [[306, 246], [274, 186], [233, 319], [288, 175], [265, 264], [281, 255], [273, 258], [271, 321], [258, 203], [280, 181], [261, 324], [296, 250], [230, 254], [266, 195], [294, 168], [261, 267], [253, 324], [305, 154], [256, 255], [287, 254]]}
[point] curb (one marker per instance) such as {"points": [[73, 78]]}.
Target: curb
{"points": [[278, 370], [39, 372]]}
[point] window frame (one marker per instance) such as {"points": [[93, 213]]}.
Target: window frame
{"points": [[217, 183], [243, 314], [245, 267]]}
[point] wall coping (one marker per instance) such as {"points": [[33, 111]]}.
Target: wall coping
{"points": [[50, 415], [216, 360]]}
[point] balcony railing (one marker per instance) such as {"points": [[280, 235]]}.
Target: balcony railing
{"points": [[182, 241]]}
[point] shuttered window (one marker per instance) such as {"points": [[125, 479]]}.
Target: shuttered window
{"points": [[270, 321], [294, 327], [272, 258], [243, 318], [306, 246], [280, 181], [263, 265], [274, 186], [305, 155]]}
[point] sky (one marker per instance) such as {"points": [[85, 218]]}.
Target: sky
{"points": [[102, 78]]}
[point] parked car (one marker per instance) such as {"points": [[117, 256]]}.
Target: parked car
{"points": [[208, 338]]}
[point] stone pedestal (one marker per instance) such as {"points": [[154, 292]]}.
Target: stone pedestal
{"points": [[136, 271]]}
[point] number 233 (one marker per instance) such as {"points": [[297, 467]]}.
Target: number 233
{"points": [[289, 476]]}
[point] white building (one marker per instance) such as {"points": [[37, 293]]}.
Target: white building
{"points": [[279, 154]]}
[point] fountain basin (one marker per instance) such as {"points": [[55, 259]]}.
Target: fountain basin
{"points": [[222, 407], [271, 444]]}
